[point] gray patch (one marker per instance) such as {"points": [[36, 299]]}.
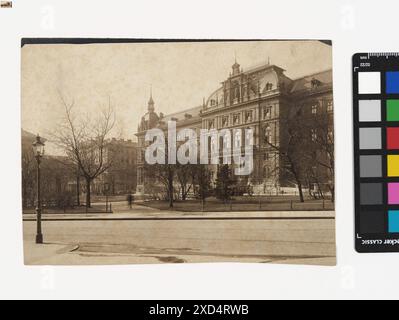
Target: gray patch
{"points": [[370, 193], [370, 166], [369, 110], [370, 138]]}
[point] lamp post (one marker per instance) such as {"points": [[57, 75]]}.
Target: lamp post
{"points": [[38, 149], [105, 191]]}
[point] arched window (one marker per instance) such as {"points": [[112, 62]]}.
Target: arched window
{"points": [[251, 137]]}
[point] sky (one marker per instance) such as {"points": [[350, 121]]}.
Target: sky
{"points": [[180, 75]]}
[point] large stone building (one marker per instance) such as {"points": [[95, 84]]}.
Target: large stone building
{"points": [[58, 179], [262, 98], [121, 177]]}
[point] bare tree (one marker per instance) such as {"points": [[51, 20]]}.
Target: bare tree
{"points": [[163, 174], [185, 177], [307, 149], [202, 177], [224, 183], [294, 148], [28, 176], [84, 140], [323, 149]]}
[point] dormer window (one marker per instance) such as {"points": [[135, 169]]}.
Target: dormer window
{"points": [[315, 83]]}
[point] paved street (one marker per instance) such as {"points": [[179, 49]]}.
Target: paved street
{"points": [[267, 239]]}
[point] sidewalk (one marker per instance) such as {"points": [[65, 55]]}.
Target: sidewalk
{"points": [[177, 215]]}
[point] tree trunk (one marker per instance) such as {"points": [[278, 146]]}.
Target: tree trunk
{"points": [[297, 179], [88, 201], [170, 195], [300, 191], [24, 195], [183, 193], [170, 187], [320, 190], [78, 190], [332, 190]]}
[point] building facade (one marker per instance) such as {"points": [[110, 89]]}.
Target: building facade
{"points": [[121, 177], [58, 185], [264, 99]]}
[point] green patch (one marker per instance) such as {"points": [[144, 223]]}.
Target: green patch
{"points": [[392, 110]]}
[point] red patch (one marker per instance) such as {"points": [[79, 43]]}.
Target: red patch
{"points": [[392, 138]]}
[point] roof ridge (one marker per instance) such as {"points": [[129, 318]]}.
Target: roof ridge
{"points": [[312, 74], [182, 111]]}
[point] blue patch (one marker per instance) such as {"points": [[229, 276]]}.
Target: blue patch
{"points": [[393, 221], [392, 82]]}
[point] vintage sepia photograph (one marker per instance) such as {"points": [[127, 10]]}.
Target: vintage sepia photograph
{"points": [[5, 4], [142, 152]]}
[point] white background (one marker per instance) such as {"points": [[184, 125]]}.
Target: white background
{"points": [[354, 26]]}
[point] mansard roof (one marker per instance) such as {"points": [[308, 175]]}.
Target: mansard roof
{"points": [[186, 114], [311, 83], [322, 78]]}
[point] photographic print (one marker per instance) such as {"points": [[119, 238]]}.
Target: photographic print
{"points": [[163, 151], [5, 4]]}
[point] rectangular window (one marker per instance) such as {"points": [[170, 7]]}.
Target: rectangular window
{"points": [[225, 121], [314, 135], [267, 112], [248, 116], [330, 135], [236, 118], [314, 109], [211, 124], [330, 105]]}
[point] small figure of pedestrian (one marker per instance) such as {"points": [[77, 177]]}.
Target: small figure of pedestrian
{"points": [[130, 200]]}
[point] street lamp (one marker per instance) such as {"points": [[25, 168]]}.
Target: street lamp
{"points": [[38, 149], [105, 191]]}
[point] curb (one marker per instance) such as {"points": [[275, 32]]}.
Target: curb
{"points": [[181, 218]]}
